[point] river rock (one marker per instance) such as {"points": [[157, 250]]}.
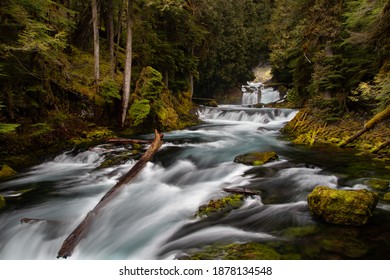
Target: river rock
{"points": [[378, 184], [256, 158], [386, 196], [342, 207], [6, 171]]}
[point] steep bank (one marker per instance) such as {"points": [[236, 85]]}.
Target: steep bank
{"points": [[318, 125]]}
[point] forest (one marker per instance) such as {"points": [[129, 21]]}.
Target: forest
{"points": [[84, 84], [70, 67]]}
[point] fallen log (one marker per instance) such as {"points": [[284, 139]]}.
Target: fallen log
{"points": [[384, 115], [381, 146], [126, 141], [81, 230]]}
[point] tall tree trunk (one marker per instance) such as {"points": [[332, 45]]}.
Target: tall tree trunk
{"points": [[192, 75], [111, 37], [96, 51], [127, 74]]}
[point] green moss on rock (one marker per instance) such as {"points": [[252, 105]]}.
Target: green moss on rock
{"points": [[221, 206], [342, 207], [349, 245], [386, 196], [378, 184], [248, 251], [7, 171], [2, 202], [256, 158]]}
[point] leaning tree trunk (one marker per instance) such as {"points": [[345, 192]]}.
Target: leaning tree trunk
{"points": [[127, 74], [81, 230]]}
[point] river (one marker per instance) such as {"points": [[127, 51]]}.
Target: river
{"points": [[153, 217]]}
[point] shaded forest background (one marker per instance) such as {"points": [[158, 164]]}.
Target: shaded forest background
{"points": [[329, 53]]}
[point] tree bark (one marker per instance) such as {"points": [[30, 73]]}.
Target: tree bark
{"points": [[111, 37], [96, 51], [81, 230], [127, 74]]}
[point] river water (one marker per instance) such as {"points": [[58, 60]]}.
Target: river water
{"points": [[153, 217]]}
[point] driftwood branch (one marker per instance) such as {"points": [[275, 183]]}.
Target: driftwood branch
{"points": [[81, 230], [126, 141], [243, 191], [31, 221]]}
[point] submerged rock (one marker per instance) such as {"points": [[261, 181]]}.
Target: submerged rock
{"points": [[378, 184], [342, 207], [256, 158], [247, 251]]}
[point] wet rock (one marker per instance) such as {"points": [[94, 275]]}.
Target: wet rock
{"points": [[342, 207], [378, 184], [386, 196], [2, 202], [256, 158], [6, 171]]}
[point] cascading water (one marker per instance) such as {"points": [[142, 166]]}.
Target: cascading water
{"points": [[255, 93], [153, 217]]}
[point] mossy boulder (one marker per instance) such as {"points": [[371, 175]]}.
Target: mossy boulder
{"points": [[256, 158], [342, 207], [220, 206], [2, 202], [6, 171]]}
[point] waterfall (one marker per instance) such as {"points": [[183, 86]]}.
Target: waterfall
{"points": [[254, 93]]}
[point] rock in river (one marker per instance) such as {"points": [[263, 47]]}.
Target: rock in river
{"points": [[342, 207], [256, 158]]}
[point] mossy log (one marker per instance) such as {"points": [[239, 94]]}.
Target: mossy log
{"points": [[381, 146], [385, 114], [81, 230]]}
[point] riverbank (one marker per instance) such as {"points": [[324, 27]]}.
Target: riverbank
{"points": [[320, 123]]}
